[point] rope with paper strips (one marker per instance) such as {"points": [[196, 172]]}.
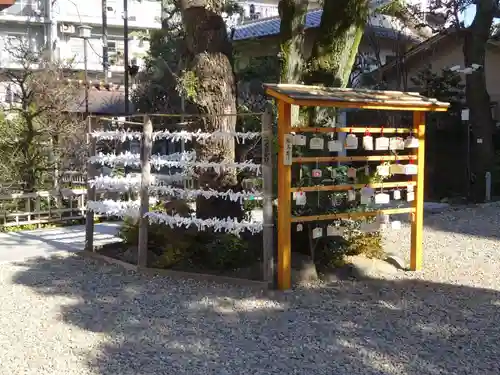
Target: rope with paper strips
{"points": [[165, 186]]}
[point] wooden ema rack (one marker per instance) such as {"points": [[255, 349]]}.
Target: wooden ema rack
{"points": [[312, 96]]}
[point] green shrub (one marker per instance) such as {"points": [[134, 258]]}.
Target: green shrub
{"points": [[171, 245], [367, 244], [172, 255], [222, 251], [331, 252], [188, 248]]}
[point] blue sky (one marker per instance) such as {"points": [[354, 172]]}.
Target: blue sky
{"points": [[469, 15]]}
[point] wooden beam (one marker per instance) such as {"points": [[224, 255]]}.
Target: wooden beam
{"points": [[91, 191], [146, 149], [284, 200], [354, 129], [417, 224], [378, 106], [267, 189], [279, 97], [328, 159], [383, 185], [351, 215]]}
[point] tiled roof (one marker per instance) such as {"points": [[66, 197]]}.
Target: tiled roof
{"points": [[104, 99], [99, 85], [102, 102], [271, 26]]}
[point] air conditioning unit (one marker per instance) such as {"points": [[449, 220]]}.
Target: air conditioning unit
{"points": [[67, 29]]}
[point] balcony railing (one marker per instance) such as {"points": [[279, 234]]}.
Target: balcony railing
{"points": [[145, 14], [25, 8]]}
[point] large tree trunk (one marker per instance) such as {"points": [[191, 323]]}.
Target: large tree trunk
{"points": [[335, 48], [293, 19], [212, 91], [478, 100]]}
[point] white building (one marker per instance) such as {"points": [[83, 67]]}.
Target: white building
{"points": [[53, 26]]}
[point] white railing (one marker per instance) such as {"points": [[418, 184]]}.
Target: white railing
{"points": [[42, 207], [74, 178]]}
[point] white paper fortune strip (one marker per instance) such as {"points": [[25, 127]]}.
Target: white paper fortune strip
{"points": [[186, 136], [228, 225], [128, 158], [217, 167], [115, 208], [160, 161], [239, 196], [115, 183], [134, 183]]}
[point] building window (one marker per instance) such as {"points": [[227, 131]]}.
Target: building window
{"points": [[112, 47], [115, 52]]}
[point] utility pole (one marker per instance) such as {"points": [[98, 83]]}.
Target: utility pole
{"points": [[125, 53], [105, 52]]}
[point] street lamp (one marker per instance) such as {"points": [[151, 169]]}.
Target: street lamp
{"points": [[85, 33]]}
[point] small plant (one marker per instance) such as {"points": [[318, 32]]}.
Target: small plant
{"points": [[221, 252], [188, 248], [330, 252], [367, 244]]}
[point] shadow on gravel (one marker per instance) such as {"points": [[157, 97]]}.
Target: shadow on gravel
{"points": [[161, 326], [481, 221]]}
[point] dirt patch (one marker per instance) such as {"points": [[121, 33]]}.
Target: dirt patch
{"points": [[128, 254]]}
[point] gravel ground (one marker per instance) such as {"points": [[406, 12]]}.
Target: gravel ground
{"points": [[72, 316]]}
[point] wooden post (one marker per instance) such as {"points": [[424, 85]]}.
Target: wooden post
{"points": [[91, 192], [417, 224], [37, 210], [267, 203], [28, 208], [284, 196], [146, 149]]}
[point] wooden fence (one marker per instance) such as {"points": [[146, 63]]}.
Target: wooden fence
{"points": [[42, 207]]}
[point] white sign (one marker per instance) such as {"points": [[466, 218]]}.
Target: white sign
{"points": [[317, 233], [351, 142], [335, 146], [300, 140], [316, 143], [288, 154]]}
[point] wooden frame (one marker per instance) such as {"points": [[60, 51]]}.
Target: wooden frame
{"points": [[285, 99], [147, 125]]}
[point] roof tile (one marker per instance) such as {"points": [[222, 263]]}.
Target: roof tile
{"points": [[271, 26]]}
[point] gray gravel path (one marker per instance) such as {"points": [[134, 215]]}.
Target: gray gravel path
{"points": [[72, 316]]}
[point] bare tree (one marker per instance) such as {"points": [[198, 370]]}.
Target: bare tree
{"points": [[40, 135]]}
